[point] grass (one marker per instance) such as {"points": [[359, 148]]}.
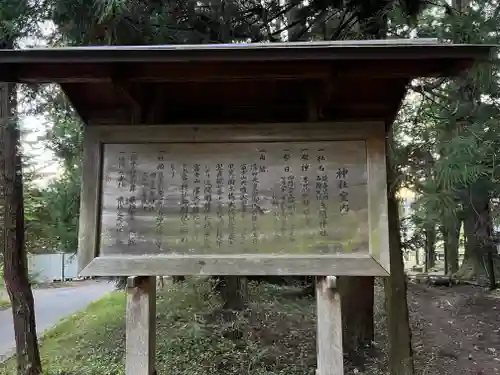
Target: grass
{"points": [[4, 301], [275, 336], [4, 305]]}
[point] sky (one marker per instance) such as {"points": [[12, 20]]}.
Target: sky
{"points": [[44, 161], [33, 128]]}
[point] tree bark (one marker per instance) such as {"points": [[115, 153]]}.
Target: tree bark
{"points": [[357, 296], [451, 236], [296, 24], [12, 236], [400, 349], [178, 279], [430, 247], [478, 234], [234, 292]]}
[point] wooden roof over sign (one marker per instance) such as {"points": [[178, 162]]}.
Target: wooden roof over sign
{"points": [[278, 82]]}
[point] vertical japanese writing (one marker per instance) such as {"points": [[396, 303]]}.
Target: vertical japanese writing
{"points": [[144, 191], [160, 215], [133, 172], [184, 203], [341, 175], [151, 192], [282, 202], [250, 197], [276, 214], [132, 206], [207, 206], [132, 200], [284, 188], [291, 205], [255, 201], [231, 182], [243, 198], [262, 158], [322, 191], [219, 180], [196, 198], [121, 170], [172, 170], [304, 184], [120, 216], [120, 200]]}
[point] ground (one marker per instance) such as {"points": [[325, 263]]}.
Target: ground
{"points": [[455, 331]]}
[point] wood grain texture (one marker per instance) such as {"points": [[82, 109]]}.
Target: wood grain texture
{"points": [[150, 264], [140, 326], [256, 264], [235, 198], [200, 133], [330, 357], [89, 199], [377, 201]]}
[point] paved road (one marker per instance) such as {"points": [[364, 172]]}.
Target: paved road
{"points": [[51, 305]]}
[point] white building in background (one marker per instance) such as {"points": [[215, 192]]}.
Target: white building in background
{"points": [[411, 258], [46, 268]]}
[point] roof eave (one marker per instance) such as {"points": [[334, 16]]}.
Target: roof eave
{"points": [[315, 51]]}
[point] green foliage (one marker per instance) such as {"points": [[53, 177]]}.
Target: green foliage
{"points": [[52, 220], [107, 22], [51, 212], [16, 19], [447, 133]]}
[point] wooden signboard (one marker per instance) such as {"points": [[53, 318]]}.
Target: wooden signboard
{"points": [[160, 197], [232, 200]]}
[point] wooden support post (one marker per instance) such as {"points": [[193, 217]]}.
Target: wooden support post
{"points": [[329, 327], [141, 326]]}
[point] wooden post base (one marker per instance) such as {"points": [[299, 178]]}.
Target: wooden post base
{"points": [[329, 327], [140, 326]]}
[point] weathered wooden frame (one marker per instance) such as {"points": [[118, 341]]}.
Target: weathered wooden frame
{"points": [[374, 263]]}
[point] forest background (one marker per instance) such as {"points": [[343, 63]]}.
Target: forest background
{"points": [[444, 141]]}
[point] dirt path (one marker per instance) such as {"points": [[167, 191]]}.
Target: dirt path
{"points": [[455, 330]]}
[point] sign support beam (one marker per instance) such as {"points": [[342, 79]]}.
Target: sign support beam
{"points": [[141, 326], [330, 359]]}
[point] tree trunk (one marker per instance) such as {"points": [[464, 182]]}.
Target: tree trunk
{"points": [[296, 24], [451, 236], [400, 350], [357, 295], [234, 292], [12, 236], [478, 234], [430, 247], [178, 279]]}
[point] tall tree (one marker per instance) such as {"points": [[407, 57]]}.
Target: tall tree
{"points": [[458, 116], [395, 287], [12, 236], [16, 19]]}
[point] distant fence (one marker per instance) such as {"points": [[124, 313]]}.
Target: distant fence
{"points": [[52, 267]]}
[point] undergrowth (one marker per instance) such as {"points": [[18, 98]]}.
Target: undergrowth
{"points": [[274, 336]]}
